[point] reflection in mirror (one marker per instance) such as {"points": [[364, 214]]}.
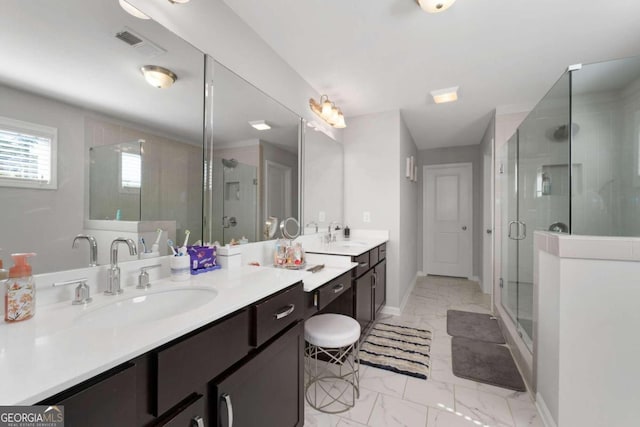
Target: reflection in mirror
{"points": [[290, 228], [323, 180], [252, 154], [106, 144]]}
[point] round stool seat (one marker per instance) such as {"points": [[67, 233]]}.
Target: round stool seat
{"points": [[331, 330]]}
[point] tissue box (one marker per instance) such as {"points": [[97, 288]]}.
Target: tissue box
{"points": [[203, 259]]}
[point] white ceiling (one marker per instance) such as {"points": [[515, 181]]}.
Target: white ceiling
{"points": [[371, 56]]}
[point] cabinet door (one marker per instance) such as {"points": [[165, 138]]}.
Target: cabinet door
{"points": [[105, 401], [380, 286], [267, 390], [363, 306]]}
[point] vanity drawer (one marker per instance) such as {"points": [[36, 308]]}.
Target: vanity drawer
{"points": [[184, 367], [363, 264], [374, 257], [382, 251], [190, 413], [332, 290], [275, 313]]}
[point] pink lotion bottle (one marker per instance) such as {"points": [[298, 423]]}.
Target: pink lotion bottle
{"points": [[20, 296]]}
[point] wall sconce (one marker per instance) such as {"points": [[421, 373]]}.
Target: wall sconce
{"points": [[159, 77], [411, 170], [328, 112]]}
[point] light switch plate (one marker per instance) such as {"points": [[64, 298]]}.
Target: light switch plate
{"points": [[366, 216]]}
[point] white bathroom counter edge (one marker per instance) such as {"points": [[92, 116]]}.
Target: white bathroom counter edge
{"points": [[611, 248], [50, 353], [337, 248]]}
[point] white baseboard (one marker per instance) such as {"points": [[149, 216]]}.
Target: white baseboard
{"points": [[405, 299], [544, 412], [392, 311], [475, 279], [421, 274]]}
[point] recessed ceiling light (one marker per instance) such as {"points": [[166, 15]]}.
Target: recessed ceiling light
{"points": [[132, 10], [435, 6], [441, 96], [159, 77], [260, 125]]}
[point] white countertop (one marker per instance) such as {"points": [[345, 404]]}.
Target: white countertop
{"points": [[55, 350], [351, 247], [333, 267]]}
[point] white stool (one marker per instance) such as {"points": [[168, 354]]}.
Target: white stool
{"points": [[334, 338]]}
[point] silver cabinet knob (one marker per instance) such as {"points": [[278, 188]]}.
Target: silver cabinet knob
{"points": [[464, 228]]}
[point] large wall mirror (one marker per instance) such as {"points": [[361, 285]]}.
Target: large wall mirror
{"points": [[83, 136], [323, 180], [252, 159]]}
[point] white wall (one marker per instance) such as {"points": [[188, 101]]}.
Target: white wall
{"points": [[409, 217], [372, 173], [439, 156]]}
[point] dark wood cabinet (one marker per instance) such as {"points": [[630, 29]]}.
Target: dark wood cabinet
{"points": [[379, 287], [255, 355], [104, 401], [267, 390], [363, 303]]}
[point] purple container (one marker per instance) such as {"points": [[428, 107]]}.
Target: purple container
{"points": [[203, 258]]}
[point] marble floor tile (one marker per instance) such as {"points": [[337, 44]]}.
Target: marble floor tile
{"points": [[486, 407], [382, 381], [393, 412], [313, 418], [524, 413], [429, 393], [363, 408], [444, 418], [348, 423]]}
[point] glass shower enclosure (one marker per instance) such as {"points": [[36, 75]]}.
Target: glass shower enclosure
{"points": [[590, 119]]}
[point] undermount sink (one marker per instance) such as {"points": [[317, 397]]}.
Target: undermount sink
{"points": [[145, 308], [350, 244]]}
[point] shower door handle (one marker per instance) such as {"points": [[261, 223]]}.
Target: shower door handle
{"points": [[524, 230], [510, 234]]}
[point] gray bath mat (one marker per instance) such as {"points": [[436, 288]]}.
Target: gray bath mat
{"points": [[477, 326], [486, 363]]}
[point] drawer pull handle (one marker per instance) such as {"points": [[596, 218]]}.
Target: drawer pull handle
{"points": [[338, 288], [284, 313], [363, 264], [227, 401], [197, 421], [375, 279]]}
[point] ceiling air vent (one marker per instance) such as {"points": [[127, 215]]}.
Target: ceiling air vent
{"points": [[143, 46], [129, 38]]}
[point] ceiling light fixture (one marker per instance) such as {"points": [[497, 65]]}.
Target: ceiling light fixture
{"points": [[260, 125], [159, 77], [132, 10], [441, 96], [435, 6], [327, 111], [178, 1]]}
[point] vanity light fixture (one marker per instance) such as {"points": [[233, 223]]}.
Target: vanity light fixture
{"points": [[260, 125], [159, 77], [441, 96], [435, 6], [327, 111], [132, 10]]}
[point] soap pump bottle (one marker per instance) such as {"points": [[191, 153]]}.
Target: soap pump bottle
{"points": [[20, 297]]}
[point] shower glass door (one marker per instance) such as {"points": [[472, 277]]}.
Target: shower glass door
{"points": [[536, 196]]}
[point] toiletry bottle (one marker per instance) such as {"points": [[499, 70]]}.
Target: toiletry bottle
{"points": [[20, 297], [347, 232]]}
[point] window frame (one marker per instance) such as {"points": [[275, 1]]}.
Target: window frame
{"points": [[34, 129]]}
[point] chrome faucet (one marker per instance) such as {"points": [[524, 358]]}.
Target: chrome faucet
{"points": [[93, 248], [332, 235], [113, 285], [315, 224]]}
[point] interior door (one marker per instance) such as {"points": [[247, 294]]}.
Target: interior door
{"points": [[278, 190], [448, 218]]}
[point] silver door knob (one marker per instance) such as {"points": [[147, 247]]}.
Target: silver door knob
{"points": [[464, 228]]}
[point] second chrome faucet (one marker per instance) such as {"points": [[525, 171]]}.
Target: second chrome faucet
{"points": [[113, 285]]}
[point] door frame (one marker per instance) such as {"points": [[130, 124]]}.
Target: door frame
{"points": [[425, 231]]}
